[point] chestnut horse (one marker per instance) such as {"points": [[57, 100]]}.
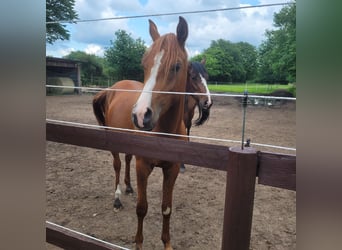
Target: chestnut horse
{"points": [[165, 69], [196, 83]]}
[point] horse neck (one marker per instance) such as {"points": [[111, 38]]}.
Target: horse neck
{"points": [[171, 121], [190, 103]]}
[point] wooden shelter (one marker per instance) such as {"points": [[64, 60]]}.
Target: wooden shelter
{"points": [[61, 67]]}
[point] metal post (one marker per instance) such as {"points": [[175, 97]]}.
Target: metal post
{"points": [[244, 105], [239, 201]]}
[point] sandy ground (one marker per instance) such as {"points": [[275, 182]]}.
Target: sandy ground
{"points": [[80, 183]]}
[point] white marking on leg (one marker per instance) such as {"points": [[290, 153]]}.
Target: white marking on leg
{"points": [[167, 211], [204, 82], [145, 97], [117, 192]]}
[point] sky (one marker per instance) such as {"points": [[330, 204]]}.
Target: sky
{"points": [[246, 25]]}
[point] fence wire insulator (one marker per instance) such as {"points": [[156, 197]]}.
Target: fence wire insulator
{"points": [[244, 106]]}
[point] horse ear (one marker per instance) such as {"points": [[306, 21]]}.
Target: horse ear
{"points": [[203, 61], [153, 30], [182, 31]]}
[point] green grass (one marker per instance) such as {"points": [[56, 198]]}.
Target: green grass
{"points": [[253, 88]]}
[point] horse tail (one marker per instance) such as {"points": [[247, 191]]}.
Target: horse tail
{"points": [[203, 115], [99, 107]]}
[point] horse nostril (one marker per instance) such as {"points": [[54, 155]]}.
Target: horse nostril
{"points": [[147, 118], [135, 119], [207, 104]]}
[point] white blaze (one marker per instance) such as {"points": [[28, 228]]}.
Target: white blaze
{"points": [[145, 97], [204, 82]]}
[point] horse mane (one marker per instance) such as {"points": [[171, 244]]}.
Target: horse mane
{"points": [[203, 116], [199, 67], [172, 53]]}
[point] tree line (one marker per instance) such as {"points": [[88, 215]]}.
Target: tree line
{"points": [[274, 61]]}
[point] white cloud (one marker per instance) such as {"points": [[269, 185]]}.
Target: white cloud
{"points": [[60, 52], [247, 25], [94, 49], [100, 32], [129, 6]]}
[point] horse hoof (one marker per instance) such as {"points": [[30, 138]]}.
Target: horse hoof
{"points": [[168, 246], [182, 168], [117, 205], [129, 190]]}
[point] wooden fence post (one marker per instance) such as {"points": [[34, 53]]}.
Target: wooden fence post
{"points": [[239, 201]]}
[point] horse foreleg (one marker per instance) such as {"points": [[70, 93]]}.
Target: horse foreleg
{"points": [[188, 126], [128, 159], [143, 170], [117, 167], [170, 174]]}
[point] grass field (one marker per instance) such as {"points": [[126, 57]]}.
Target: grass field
{"points": [[252, 88]]}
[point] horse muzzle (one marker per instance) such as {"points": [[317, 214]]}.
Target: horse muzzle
{"points": [[143, 120], [207, 104]]}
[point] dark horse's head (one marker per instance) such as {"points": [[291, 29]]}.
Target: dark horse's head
{"points": [[197, 83]]}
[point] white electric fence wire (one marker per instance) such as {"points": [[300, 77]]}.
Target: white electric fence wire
{"points": [[167, 134], [172, 13], [93, 89]]}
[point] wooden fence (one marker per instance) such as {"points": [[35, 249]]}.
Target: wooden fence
{"points": [[242, 167]]}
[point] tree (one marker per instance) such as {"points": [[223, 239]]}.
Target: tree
{"points": [[124, 56], [57, 10], [277, 53], [91, 66], [230, 62], [248, 56]]}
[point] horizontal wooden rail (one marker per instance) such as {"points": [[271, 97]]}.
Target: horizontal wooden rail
{"points": [[69, 239], [162, 148], [277, 170]]}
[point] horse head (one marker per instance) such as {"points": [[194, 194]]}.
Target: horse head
{"points": [[197, 83], [165, 69]]}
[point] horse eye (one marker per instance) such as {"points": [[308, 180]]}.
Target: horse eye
{"points": [[176, 67]]}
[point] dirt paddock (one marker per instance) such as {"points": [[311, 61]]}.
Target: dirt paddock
{"points": [[80, 183]]}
